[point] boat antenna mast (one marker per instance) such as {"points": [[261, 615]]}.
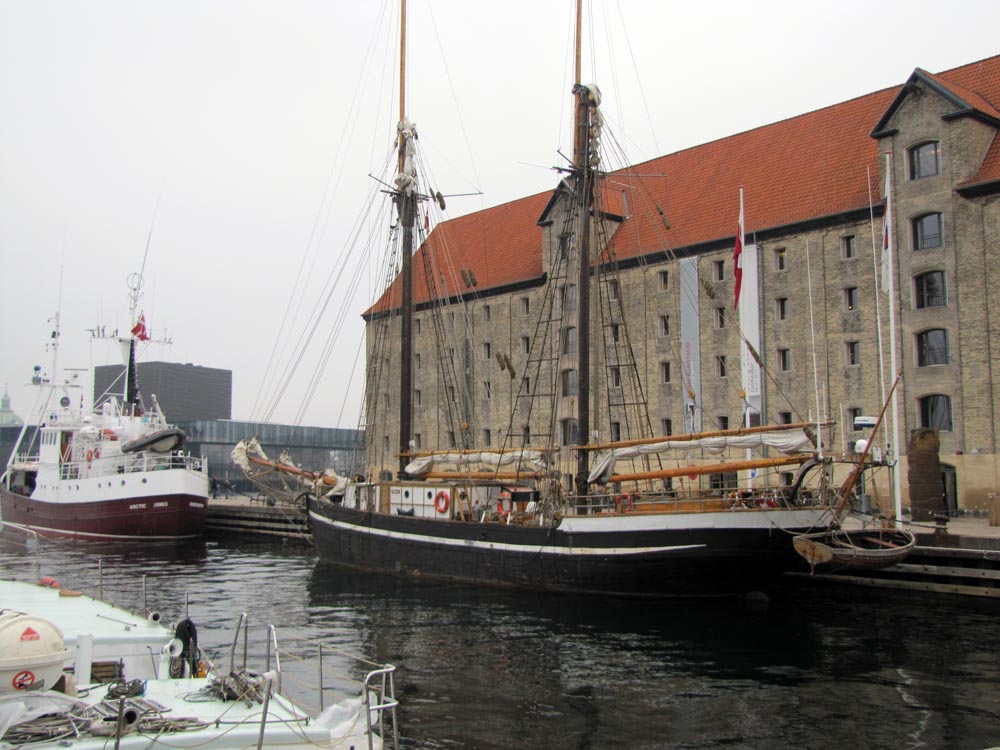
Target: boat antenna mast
{"points": [[585, 163], [406, 204]]}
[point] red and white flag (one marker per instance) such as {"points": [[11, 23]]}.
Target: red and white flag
{"points": [[139, 329], [738, 255]]}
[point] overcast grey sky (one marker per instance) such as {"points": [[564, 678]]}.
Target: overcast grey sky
{"points": [[240, 125]]}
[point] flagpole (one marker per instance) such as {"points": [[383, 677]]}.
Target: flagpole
{"points": [[888, 277], [812, 337], [878, 301], [738, 276]]}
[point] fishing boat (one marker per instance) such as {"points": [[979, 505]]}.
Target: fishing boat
{"points": [[112, 471], [174, 699], [622, 520]]}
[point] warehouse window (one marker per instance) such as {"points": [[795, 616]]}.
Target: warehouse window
{"points": [[925, 160], [852, 352], [848, 246], [780, 259], [784, 360], [570, 384], [719, 270], [781, 308], [930, 290], [927, 232], [935, 412], [851, 298], [932, 347]]}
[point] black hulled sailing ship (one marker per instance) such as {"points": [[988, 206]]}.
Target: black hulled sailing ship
{"points": [[520, 515]]}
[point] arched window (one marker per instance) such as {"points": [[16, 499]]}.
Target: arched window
{"points": [[935, 412], [932, 347], [930, 290], [925, 160], [927, 232]]}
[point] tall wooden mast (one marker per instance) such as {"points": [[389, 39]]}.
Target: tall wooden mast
{"points": [[584, 199], [406, 203]]}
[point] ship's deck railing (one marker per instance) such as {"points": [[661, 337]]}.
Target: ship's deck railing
{"points": [[305, 675], [687, 500], [128, 464]]}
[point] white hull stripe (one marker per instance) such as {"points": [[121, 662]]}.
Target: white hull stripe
{"points": [[533, 549]]}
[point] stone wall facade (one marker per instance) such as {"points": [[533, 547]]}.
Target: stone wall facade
{"points": [[821, 310]]}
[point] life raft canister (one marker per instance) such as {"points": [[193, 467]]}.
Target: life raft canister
{"points": [[441, 501]]}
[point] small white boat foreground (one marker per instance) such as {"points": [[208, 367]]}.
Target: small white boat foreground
{"points": [[152, 700], [215, 713], [102, 639]]}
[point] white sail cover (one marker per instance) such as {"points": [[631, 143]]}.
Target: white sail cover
{"points": [[788, 442], [423, 464]]}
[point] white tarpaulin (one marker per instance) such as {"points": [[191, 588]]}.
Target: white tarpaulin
{"points": [[788, 442]]}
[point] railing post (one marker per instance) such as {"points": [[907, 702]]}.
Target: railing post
{"points": [[320, 682], [236, 640]]}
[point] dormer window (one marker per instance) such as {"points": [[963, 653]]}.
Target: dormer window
{"points": [[925, 160]]}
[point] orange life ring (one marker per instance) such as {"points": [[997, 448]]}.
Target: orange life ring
{"points": [[90, 455], [500, 509], [441, 501]]}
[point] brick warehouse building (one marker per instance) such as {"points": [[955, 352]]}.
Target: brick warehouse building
{"points": [[808, 184]]}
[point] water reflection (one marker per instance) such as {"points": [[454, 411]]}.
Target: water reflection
{"points": [[483, 668]]}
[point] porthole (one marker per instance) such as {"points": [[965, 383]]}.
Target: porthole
{"points": [[144, 480]]}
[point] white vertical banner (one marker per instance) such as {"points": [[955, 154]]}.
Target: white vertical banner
{"points": [[749, 314], [690, 344]]}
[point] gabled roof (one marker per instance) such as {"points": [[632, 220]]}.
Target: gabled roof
{"points": [[952, 86], [797, 170]]}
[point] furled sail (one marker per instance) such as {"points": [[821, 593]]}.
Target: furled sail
{"points": [[789, 442], [424, 464]]}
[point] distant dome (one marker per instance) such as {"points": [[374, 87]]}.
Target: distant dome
{"points": [[7, 417]]}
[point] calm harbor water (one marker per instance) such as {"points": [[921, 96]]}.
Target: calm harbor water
{"points": [[481, 668]]}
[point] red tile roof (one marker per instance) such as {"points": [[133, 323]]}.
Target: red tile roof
{"points": [[989, 170], [813, 165]]}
